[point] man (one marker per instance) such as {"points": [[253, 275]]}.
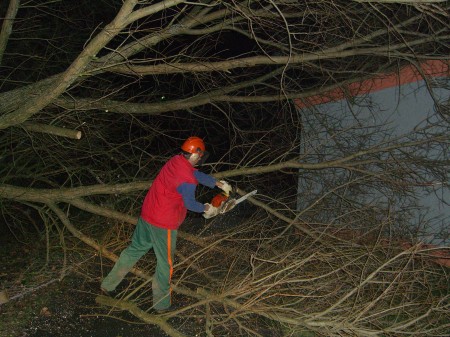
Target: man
{"points": [[164, 209]]}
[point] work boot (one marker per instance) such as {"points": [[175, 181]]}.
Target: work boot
{"points": [[112, 293], [164, 311], [173, 307]]}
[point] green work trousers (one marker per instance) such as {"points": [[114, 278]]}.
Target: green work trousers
{"points": [[145, 237]]}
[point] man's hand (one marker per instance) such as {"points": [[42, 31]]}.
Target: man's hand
{"points": [[224, 186], [210, 211]]}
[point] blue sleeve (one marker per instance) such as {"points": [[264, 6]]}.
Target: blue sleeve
{"points": [[205, 179], [187, 191]]}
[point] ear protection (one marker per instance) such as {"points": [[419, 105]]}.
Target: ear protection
{"points": [[195, 156]]}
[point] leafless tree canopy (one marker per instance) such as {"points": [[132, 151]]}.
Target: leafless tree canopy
{"points": [[95, 96]]}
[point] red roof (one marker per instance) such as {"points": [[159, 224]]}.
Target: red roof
{"points": [[407, 74]]}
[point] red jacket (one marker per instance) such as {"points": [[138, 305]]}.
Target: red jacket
{"points": [[163, 206]]}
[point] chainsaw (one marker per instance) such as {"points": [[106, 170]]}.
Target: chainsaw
{"points": [[226, 203]]}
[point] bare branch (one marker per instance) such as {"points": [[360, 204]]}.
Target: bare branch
{"points": [[7, 25]]}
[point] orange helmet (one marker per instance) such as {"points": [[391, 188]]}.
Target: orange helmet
{"points": [[194, 145]]}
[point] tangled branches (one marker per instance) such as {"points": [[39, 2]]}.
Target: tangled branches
{"points": [[258, 282]]}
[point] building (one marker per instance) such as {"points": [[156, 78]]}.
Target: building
{"points": [[377, 110]]}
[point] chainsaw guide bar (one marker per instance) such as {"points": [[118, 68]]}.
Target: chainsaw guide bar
{"points": [[230, 204]]}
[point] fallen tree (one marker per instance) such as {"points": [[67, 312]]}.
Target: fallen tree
{"points": [[267, 275], [297, 284], [89, 116]]}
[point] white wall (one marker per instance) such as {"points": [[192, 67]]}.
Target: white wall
{"points": [[403, 108]]}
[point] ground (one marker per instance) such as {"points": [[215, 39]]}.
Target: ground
{"points": [[45, 304], [41, 305]]}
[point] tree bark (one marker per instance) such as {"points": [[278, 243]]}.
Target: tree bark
{"points": [[52, 130], [7, 25]]}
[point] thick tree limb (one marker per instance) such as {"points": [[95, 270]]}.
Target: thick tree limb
{"points": [[36, 103], [349, 162], [254, 61], [158, 320], [52, 130], [66, 194], [7, 25], [159, 108]]}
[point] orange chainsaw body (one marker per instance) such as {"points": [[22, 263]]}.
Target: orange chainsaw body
{"points": [[219, 199]]}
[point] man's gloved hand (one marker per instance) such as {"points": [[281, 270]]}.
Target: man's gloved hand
{"points": [[225, 187], [210, 211]]}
